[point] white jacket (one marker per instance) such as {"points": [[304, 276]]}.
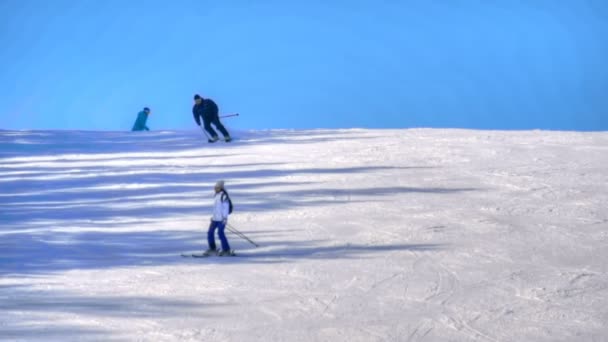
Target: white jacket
{"points": [[220, 209]]}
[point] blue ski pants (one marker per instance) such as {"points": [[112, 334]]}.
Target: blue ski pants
{"points": [[220, 226]]}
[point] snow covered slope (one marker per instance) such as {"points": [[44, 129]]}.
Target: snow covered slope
{"points": [[365, 235]]}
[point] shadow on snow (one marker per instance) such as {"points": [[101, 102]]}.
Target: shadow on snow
{"points": [[95, 206]]}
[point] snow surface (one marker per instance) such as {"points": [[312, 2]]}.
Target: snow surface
{"points": [[365, 235]]}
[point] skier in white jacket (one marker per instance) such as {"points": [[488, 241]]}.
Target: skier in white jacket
{"points": [[219, 220]]}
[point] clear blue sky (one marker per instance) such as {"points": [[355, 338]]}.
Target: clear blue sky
{"points": [[505, 64]]}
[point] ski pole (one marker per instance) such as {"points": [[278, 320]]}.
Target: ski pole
{"points": [[241, 235], [227, 116]]}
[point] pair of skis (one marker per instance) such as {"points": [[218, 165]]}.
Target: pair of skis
{"points": [[203, 255], [212, 141], [231, 229]]}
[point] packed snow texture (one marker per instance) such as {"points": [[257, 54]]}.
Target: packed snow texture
{"points": [[365, 235]]}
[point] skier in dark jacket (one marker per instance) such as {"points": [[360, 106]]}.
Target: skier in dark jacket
{"points": [[140, 122], [208, 111]]}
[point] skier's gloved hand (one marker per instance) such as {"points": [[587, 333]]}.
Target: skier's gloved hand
{"points": [[225, 222]]}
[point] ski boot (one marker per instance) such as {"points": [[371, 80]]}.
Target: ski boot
{"points": [[227, 253], [210, 252]]}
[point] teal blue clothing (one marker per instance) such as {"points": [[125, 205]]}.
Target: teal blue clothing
{"points": [[140, 123]]}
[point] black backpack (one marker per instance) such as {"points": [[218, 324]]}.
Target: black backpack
{"points": [[226, 197]]}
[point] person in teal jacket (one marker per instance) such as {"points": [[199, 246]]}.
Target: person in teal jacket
{"points": [[140, 122]]}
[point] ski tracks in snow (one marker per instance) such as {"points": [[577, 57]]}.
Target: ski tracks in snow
{"points": [[437, 296]]}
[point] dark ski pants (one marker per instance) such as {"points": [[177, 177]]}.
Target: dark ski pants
{"points": [[220, 226], [215, 120]]}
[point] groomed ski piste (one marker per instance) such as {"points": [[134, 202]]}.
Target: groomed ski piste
{"points": [[364, 235]]}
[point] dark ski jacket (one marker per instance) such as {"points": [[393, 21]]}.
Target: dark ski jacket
{"points": [[207, 110], [140, 122]]}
